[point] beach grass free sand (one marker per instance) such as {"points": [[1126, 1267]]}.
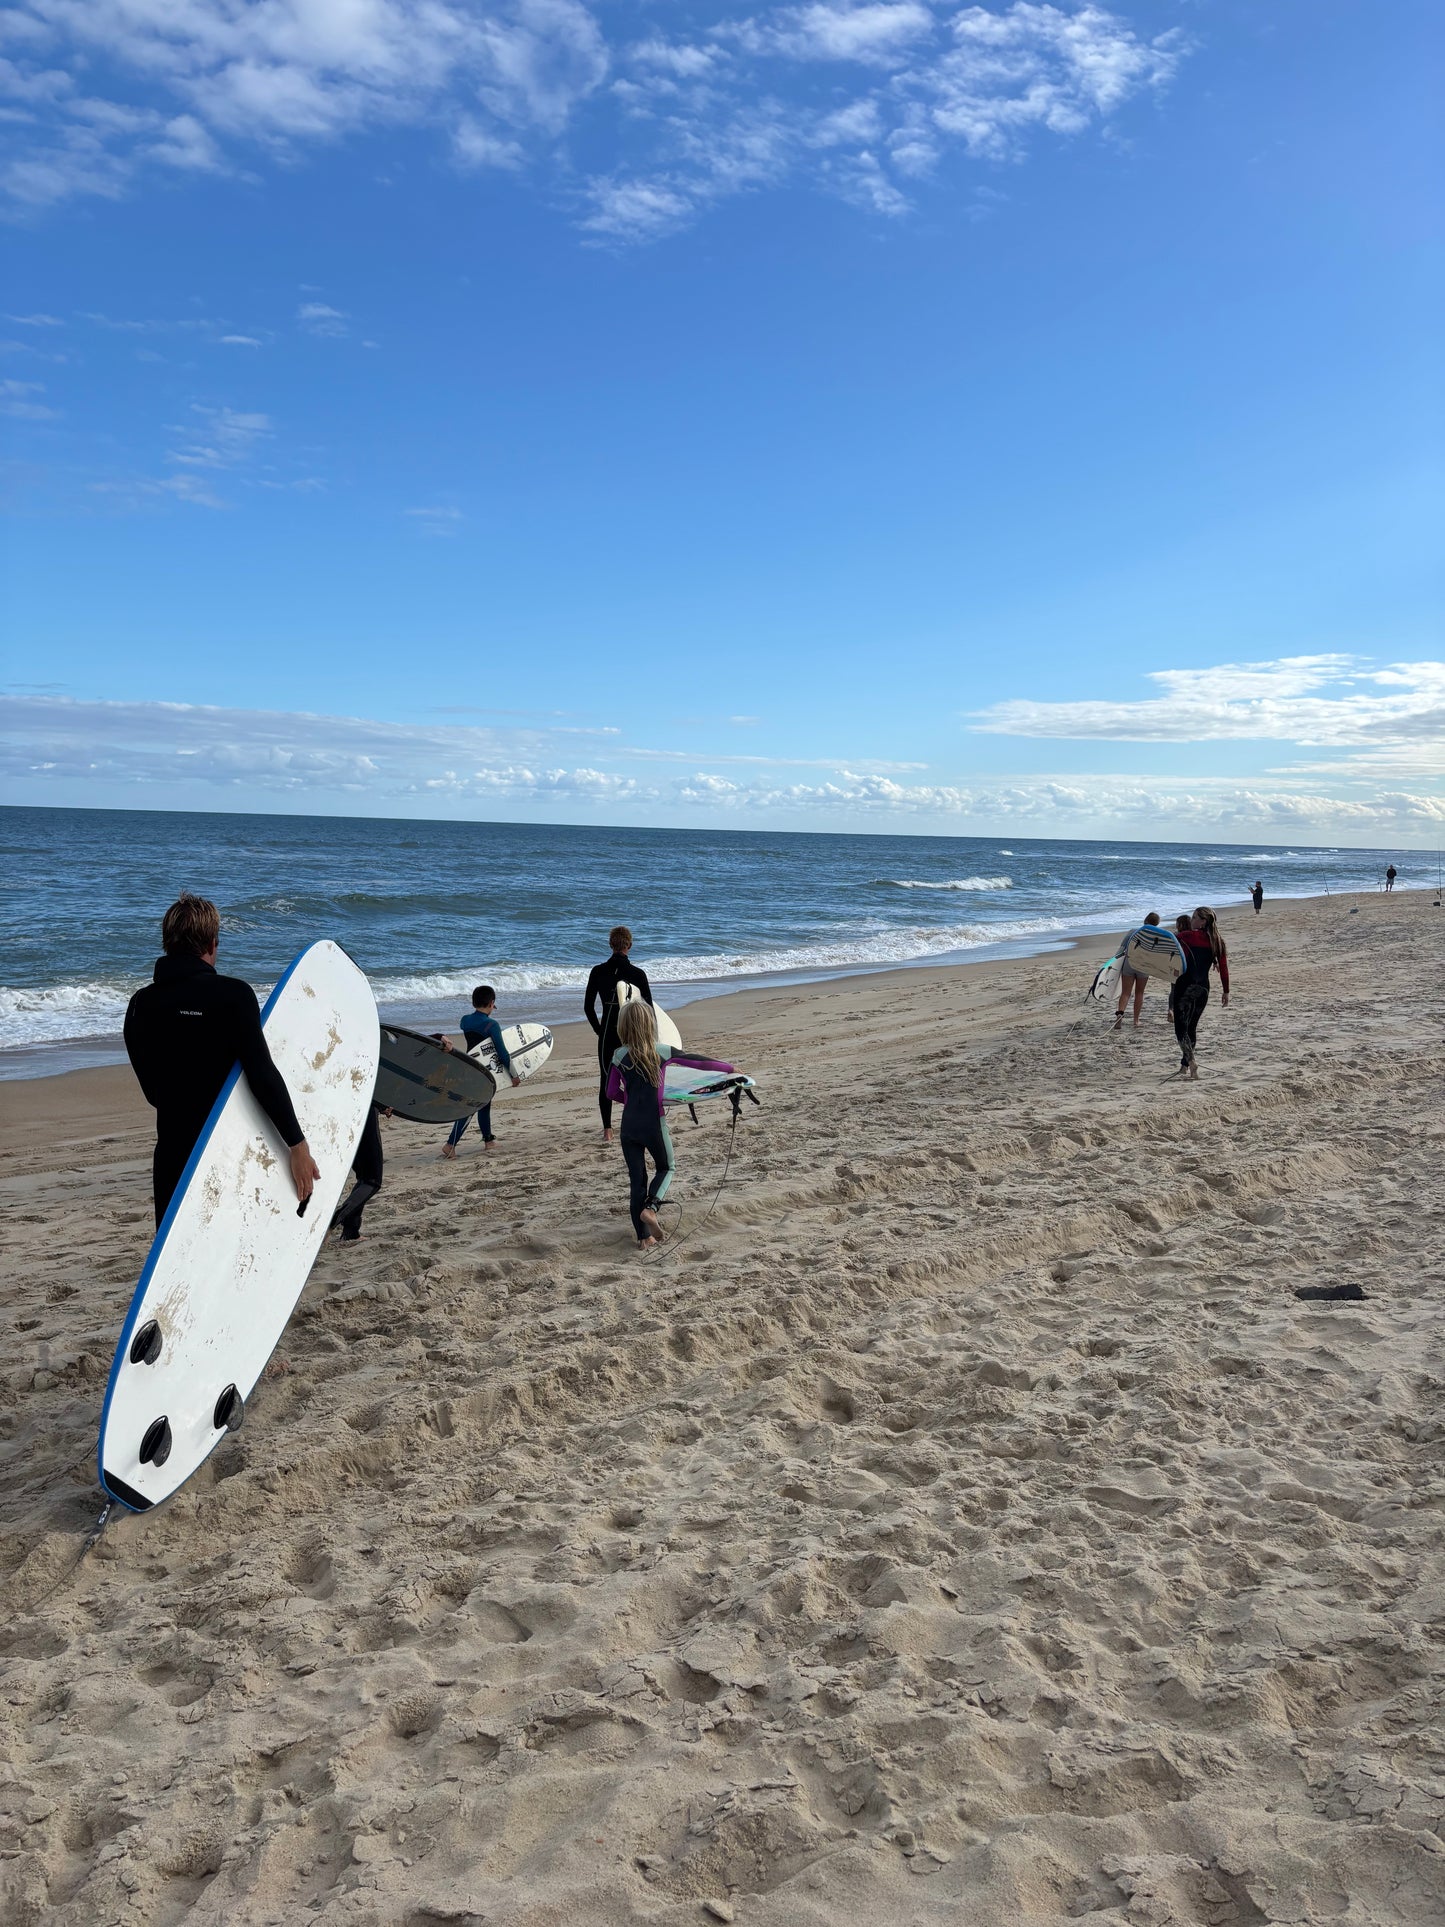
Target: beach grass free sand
{"points": [[964, 1523]]}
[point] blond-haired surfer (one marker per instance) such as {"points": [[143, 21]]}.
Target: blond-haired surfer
{"points": [[184, 1033], [635, 1079]]}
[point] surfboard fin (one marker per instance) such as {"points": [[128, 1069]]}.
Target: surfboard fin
{"points": [[145, 1347], [155, 1447], [230, 1410]]}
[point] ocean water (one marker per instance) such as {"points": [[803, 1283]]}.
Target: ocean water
{"points": [[430, 909]]}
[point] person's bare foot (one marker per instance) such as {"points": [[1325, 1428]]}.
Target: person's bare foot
{"points": [[488, 1143], [1194, 1073], [449, 1150], [607, 1137], [1118, 1020], [650, 1218], [648, 1244]]}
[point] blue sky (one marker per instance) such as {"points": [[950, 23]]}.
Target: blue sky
{"points": [[890, 416]]}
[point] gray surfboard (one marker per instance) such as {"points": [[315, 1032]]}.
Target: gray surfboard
{"points": [[421, 1081]]}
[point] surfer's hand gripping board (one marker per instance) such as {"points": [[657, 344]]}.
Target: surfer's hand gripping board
{"points": [[236, 1246]]}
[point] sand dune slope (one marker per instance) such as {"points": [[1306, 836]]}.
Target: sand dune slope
{"points": [[965, 1523]]}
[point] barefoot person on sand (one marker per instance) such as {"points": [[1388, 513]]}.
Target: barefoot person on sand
{"points": [[635, 1079], [184, 1032], [1256, 897], [1205, 950], [1131, 984], [602, 992], [479, 1024]]}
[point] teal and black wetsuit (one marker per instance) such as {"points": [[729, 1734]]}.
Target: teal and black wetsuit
{"points": [[644, 1128]]}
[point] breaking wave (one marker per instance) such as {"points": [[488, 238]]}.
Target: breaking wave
{"points": [[955, 883]]}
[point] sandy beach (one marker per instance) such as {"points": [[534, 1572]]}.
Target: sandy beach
{"points": [[961, 1521]]}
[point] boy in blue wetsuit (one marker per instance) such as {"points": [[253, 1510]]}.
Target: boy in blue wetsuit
{"points": [[478, 1027]]}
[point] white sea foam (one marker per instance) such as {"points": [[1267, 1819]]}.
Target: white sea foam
{"points": [[62, 1010], [75, 1011], [957, 883]]}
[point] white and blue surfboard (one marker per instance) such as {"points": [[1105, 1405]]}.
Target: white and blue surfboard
{"points": [[234, 1249]]}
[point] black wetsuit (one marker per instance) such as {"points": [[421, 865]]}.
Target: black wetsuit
{"points": [[1191, 993], [602, 989], [1257, 897], [184, 1032], [367, 1167]]}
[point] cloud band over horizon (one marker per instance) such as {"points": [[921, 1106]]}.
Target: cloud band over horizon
{"points": [[61, 748]]}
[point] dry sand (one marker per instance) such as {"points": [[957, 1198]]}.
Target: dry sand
{"points": [[965, 1524]]}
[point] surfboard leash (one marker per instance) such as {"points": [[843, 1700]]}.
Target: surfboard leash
{"points": [[735, 1098], [92, 1539]]}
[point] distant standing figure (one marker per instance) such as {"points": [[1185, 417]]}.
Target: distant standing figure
{"points": [[602, 991], [1131, 983], [1205, 950], [184, 1032], [1257, 897], [1390, 876]]}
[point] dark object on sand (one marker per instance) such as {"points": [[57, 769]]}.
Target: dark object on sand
{"points": [[1328, 1291]]}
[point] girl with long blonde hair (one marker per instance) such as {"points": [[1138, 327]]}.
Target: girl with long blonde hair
{"points": [[637, 1079]]}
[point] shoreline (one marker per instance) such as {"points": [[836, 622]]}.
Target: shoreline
{"points": [[25, 1065], [110, 1092]]}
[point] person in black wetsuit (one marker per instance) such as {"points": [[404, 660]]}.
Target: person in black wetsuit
{"points": [[366, 1167], [184, 1032], [602, 992], [1256, 897], [1204, 947]]}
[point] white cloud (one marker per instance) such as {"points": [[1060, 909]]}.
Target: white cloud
{"points": [[240, 341], [229, 437], [732, 108], [66, 747], [319, 319], [35, 320], [19, 400], [476, 146], [878, 34], [436, 521], [1400, 705]]}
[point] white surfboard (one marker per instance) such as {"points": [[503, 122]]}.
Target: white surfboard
{"points": [[234, 1248], [1152, 951], [667, 1031], [528, 1045], [682, 1084], [1106, 980]]}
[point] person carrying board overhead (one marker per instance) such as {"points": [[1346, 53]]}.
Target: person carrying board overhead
{"points": [[602, 991], [183, 1033]]}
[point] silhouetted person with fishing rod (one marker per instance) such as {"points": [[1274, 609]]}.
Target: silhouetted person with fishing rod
{"points": [[184, 1033]]}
